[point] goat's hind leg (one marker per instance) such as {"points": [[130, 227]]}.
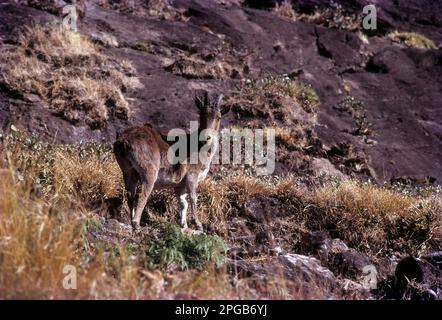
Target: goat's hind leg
{"points": [[146, 185], [131, 182]]}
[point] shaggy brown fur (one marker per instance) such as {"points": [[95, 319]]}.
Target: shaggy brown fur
{"points": [[142, 154]]}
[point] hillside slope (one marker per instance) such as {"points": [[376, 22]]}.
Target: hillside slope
{"points": [[395, 133]]}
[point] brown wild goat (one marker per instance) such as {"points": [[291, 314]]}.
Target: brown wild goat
{"points": [[142, 154]]}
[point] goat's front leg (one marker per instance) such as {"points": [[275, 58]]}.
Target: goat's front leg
{"points": [[182, 196], [192, 185]]}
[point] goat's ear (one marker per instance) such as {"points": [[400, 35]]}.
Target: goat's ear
{"points": [[225, 108], [201, 99], [222, 107]]}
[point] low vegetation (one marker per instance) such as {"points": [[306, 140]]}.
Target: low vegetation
{"points": [[332, 16], [412, 40], [198, 67], [278, 99], [64, 204], [355, 108], [69, 74], [52, 215], [285, 9], [175, 249], [154, 8], [84, 172]]}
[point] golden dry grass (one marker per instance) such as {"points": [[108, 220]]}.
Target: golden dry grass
{"points": [[38, 239], [375, 219], [370, 218], [48, 192], [89, 178], [160, 9], [291, 138], [412, 40], [69, 73], [195, 67], [334, 16], [285, 10], [34, 247]]}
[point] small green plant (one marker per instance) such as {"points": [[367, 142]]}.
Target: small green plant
{"points": [[178, 250], [356, 109], [92, 223], [308, 97]]}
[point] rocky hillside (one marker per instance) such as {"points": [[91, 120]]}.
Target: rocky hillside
{"points": [[379, 112], [352, 109]]}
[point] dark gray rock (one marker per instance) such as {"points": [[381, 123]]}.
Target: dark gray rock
{"points": [[308, 269], [349, 264], [264, 209], [320, 244], [304, 272], [419, 278]]}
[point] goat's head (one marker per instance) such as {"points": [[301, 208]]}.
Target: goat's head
{"points": [[210, 109]]}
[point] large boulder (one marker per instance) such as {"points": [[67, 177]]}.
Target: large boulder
{"points": [[308, 269], [303, 272]]}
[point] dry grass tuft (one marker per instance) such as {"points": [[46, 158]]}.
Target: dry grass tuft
{"points": [[90, 179], [67, 71], [286, 105], [333, 16], [290, 138], [369, 218], [412, 40], [86, 173], [39, 238], [285, 10], [278, 99], [195, 67], [34, 244], [161, 9], [375, 219]]}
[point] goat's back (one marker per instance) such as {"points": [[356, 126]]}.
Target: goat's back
{"points": [[143, 145]]}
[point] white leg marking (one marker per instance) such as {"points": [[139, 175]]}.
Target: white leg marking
{"points": [[183, 213], [133, 214]]}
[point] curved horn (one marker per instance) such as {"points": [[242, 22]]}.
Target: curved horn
{"points": [[201, 99], [220, 98]]}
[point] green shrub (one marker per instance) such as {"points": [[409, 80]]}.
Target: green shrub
{"points": [[176, 249]]}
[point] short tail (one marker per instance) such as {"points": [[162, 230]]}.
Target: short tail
{"points": [[121, 148]]}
